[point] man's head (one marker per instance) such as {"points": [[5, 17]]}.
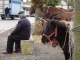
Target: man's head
{"points": [[6, 7], [21, 14]]}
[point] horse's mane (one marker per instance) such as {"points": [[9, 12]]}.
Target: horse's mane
{"points": [[56, 22]]}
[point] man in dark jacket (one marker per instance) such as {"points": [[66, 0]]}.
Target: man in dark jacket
{"points": [[21, 32], [7, 12]]}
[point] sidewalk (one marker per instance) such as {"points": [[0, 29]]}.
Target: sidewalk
{"points": [[7, 24]]}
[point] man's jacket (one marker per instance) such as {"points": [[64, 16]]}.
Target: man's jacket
{"points": [[22, 30]]}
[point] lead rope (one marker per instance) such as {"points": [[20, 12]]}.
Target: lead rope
{"points": [[65, 39]]}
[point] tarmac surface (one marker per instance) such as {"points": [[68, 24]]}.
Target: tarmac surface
{"points": [[7, 24]]}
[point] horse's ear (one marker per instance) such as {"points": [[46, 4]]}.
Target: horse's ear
{"points": [[51, 21]]}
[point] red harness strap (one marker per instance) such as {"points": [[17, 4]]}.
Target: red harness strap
{"points": [[53, 33]]}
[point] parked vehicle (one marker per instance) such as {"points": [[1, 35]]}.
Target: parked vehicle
{"points": [[15, 6], [26, 9]]}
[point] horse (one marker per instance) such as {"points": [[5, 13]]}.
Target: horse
{"points": [[57, 13], [51, 12], [57, 30]]}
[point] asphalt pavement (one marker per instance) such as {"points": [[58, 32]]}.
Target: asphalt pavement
{"points": [[8, 24]]}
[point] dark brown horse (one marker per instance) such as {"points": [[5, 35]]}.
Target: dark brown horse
{"points": [[57, 30]]}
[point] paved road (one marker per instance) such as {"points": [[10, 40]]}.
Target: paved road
{"points": [[8, 24]]}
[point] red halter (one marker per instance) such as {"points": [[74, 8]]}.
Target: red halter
{"points": [[53, 33]]}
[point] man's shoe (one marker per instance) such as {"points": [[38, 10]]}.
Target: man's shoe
{"points": [[6, 53], [17, 51]]}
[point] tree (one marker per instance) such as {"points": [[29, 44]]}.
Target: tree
{"points": [[38, 5], [77, 34], [52, 2]]}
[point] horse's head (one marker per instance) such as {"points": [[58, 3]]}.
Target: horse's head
{"points": [[53, 29], [49, 31], [32, 10]]}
